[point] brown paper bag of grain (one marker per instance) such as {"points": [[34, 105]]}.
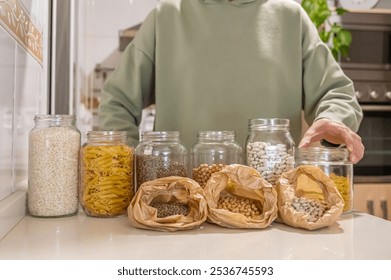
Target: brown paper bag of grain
{"points": [[309, 182], [241, 182], [168, 190]]}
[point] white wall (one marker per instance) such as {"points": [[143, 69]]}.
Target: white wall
{"points": [[7, 78], [23, 94], [106, 18]]}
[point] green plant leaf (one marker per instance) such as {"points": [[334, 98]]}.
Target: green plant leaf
{"points": [[324, 35], [341, 11], [344, 50], [345, 37], [335, 54], [335, 28], [337, 38], [317, 10], [307, 5]]}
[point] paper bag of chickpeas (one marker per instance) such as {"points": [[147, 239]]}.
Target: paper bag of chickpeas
{"points": [[168, 204], [238, 197], [308, 198]]}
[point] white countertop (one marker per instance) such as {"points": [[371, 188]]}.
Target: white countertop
{"points": [[354, 236]]}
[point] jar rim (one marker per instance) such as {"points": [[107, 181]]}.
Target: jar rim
{"points": [[265, 123], [324, 153], [107, 135], [160, 132], [159, 135], [216, 134], [54, 117], [107, 132]]}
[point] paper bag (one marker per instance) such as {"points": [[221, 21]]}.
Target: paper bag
{"points": [[245, 183], [310, 183], [172, 189]]}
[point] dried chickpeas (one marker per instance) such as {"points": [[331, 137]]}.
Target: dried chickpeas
{"points": [[202, 173], [240, 205]]}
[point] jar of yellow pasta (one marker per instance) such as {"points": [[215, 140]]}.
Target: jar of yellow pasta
{"points": [[160, 154], [106, 174], [335, 163]]}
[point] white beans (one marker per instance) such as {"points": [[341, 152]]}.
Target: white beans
{"points": [[53, 171], [270, 160], [315, 209]]}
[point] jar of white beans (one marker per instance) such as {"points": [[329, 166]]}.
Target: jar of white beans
{"points": [[106, 174], [270, 147]]}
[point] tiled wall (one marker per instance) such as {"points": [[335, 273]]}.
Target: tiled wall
{"points": [[7, 89], [22, 85]]}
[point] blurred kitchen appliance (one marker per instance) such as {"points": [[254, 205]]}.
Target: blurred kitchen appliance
{"points": [[369, 66]]}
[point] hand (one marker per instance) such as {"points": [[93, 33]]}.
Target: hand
{"points": [[334, 133]]}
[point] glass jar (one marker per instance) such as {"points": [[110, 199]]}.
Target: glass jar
{"points": [[106, 174], [160, 154], [53, 162], [212, 151], [335, 163], [270, 147]]}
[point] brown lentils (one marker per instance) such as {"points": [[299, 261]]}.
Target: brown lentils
{"points": [[151, 167], [240, 205], [202, 173], [165, 209], [315, 209]]}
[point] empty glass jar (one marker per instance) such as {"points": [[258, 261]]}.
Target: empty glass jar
{"points": [[212, 151], [107, 174], [335, 163], [270, 147], [160, 154]]}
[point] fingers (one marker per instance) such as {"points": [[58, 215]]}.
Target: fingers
{"points": [[312, 135], [334, 133], [356, 149]]}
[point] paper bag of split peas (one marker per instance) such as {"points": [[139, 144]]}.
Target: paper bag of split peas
{"points": [[168, 204], [238, 197], [308, 198]]}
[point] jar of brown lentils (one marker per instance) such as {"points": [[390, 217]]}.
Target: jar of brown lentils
{"points": [[212, 151], [160, 154]]}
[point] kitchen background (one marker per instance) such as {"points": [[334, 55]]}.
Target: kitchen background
{"points": [[54, 57]]}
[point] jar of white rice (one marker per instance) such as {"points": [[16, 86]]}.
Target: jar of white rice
{"points": [[54, 145]]}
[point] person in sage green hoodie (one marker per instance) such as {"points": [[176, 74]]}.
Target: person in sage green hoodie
{"points": [[214, 64]]}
